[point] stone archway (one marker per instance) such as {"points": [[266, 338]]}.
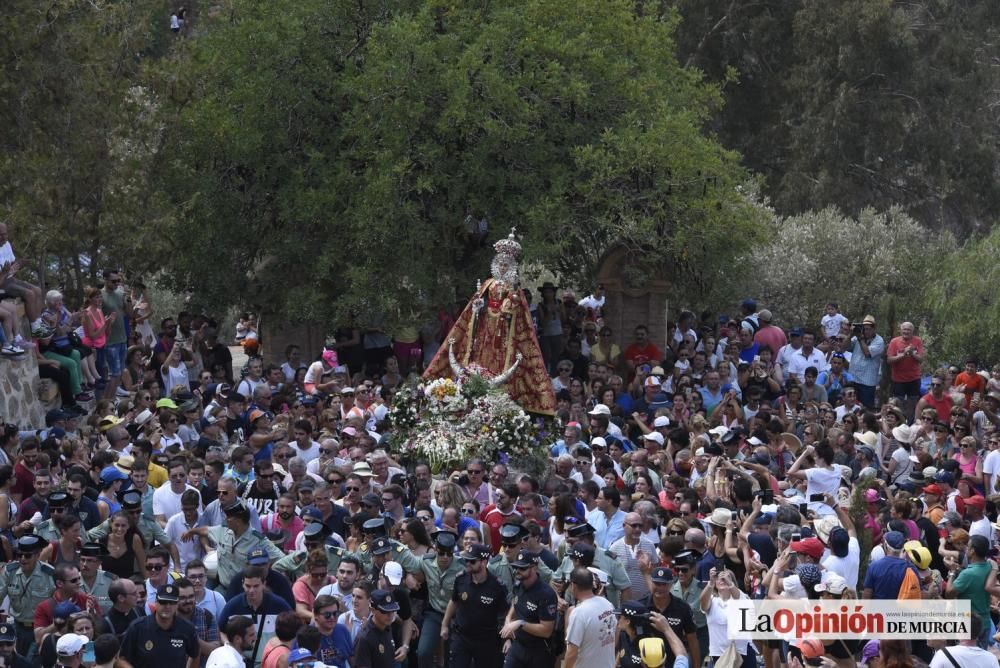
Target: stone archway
{"points": [[633, 297]]}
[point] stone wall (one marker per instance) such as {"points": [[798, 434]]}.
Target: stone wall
{"points": [[276, 336], [632, 299], [19, 389]]}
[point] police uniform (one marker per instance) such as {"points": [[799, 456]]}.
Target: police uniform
{"points": [[233, 550], [439, 588], [400, 553], [47, 530], [99, 590], [374, 648], [26, 592], [629, 653], [478, 612], [534, 604], [499, 566], [606, 560], [146, 644], [293, 565]]}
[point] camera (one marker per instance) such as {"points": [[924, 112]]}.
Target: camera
{"points": [[816, 498], [767, 497], [856, 327]]}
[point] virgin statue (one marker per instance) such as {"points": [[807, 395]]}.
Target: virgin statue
{"points": [[494, 336]]}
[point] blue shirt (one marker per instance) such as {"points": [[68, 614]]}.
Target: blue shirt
{"points": [[866, 369], [885, 576], [336, 648], [709, 400], [607, 530]]}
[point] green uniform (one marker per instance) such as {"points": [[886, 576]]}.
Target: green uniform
{"points": [[99, 590], [293, 565], [233, 551], [607, 561], [47, 531], [400, 554], [440, 585], [693, 598], [501, 570], [150, 530], [26, 592]]}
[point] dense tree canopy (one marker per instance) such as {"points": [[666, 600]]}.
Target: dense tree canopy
{"points": [[337, 150]]}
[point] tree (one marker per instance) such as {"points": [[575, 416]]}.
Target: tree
{"points": [[861, 263], [964, 304], [326, 154]]}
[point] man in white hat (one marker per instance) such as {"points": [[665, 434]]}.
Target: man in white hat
{"points": [[69, 650]]}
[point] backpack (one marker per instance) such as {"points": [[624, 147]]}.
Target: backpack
{"points": [[909, 588]]}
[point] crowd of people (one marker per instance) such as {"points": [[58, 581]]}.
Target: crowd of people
{"points": [[204, 515]]}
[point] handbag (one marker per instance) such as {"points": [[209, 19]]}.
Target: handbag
{"points": [[730, 658]]}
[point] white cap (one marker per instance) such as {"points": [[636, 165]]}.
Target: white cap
{"points": [[652, 381], [661, 421], [754, 441], [601, 575], [700, 452], [70, 644], [393, 572], [598, 442], [683, 365], [718, 431], [654, 436], [599, 409]]}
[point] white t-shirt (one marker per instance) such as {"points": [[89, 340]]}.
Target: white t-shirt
{"points": [[314, 374], [593, 628], [6, 254], [225, 657], [967, 657], [846, 567], [176, 376], [247, 386], [991, 466], [718, 630], [186, 549], [822, 481], [982, 527], [903, 465], [832, 323], [167, 503], [305, 455]]}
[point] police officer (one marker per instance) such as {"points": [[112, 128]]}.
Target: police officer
{"points": [[28, 582], [93, 580], [374, 648], [371, 530], [645, 636], [472, 620], [381, 549], [293, 566], [438, 570], [619, 585], [234, 542], [49, 529], [8, 655], [162, 638], [149, 529], [530, 621], [512, 535]]}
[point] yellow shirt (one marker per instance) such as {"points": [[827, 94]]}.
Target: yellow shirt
{"points": [[156, 475]]}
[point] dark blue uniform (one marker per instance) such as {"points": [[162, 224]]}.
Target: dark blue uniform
{"points": [[146, 644], [373, 648], [480, 608], [537, 603]]}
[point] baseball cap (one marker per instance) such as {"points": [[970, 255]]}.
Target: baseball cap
{"points": [[654, 436], [70, 644], [383, 600], [393, 572], [895, 540], [64, 610], [599, 409], [834, 584], [299, 654], [809, 546], [840, 542], [475, 552], [208, 421], [661, 421], [7, 633], [110, 474], [525, 558], [933, 489], [652, 381]]}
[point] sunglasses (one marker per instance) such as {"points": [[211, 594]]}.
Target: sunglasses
{"points": [[335, 481], [675, 533], [445, 553], [329, 615], [474, 471], [635, 525], [681, 569], [353, 489], [468, 511], [156, 568], [425, 518]]}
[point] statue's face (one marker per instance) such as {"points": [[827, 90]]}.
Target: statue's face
{"points": [[504, 270]]}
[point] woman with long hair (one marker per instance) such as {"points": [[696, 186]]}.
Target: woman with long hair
{"points": [[413, 534], [563, 508], [95, 325]]}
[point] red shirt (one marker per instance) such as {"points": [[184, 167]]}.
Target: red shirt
{"points": [[907, 369], [43, 613], [648, 353], [942, 405], [494, 519], [24, 483], [973, 383]]}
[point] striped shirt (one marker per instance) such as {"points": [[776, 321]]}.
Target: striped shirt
{"points": [[867, 369], [628, 556]]}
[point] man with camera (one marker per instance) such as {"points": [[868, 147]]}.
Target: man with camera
{"points": [[867, 351]]}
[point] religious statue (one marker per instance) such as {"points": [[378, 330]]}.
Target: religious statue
{"points": [[494, 336]]}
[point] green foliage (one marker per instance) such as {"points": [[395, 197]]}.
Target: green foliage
{"points": [[964, 303], [326, 154], [77, 131], [861, 263], [861, 103]]}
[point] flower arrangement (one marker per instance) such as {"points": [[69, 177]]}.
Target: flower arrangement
{"points": [[447, 422]]}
